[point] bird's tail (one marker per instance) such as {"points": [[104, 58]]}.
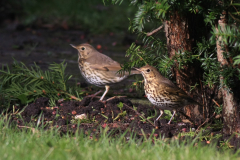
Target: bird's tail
{"points": [[126, 73], [192, 101]]}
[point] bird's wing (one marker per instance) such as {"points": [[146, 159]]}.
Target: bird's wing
{"points": [[105, 67], [102, 62], [178, 93]]}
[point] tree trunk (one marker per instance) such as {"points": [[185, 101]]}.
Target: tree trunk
{"points": [[178, 38], [230, 111]]}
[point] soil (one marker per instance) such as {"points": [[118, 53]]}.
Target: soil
{"points": [[98, 115], [130, 119]]}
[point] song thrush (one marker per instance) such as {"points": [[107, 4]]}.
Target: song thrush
{"points": [[99, 69], [162, 93]]}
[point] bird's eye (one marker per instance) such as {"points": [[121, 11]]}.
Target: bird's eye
{"points": [[83, 48], [148, 70]]}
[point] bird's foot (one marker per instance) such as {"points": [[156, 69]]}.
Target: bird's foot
{"points": [[95, 95], [103, 101], [115, 97]]}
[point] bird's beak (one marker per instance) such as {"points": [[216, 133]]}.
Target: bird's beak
{"points": [[73, 46], [138, 69]]}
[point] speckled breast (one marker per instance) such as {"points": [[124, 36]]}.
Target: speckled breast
{"points": [[98, 77], [158, 98]]}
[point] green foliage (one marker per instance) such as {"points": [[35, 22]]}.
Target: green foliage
{"points": [[145, 10], [39, 143], [153, 51], [26, 84], [236, 60], [120, 106], [230, 36]]}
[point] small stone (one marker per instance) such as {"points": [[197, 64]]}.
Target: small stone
{"points": [[60, 100], [81, 116], [132, 118], [181, 124]]}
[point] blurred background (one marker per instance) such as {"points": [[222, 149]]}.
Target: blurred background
{"points": [[94, 16], [40, 31]]}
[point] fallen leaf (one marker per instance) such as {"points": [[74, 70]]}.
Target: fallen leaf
{"points": [[104, 125], [74, 112]]}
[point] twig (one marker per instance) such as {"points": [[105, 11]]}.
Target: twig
{"points": [[216, 103], [70, 95], [234, 17], [154, 31], [208, 119], [139, 114], [236, 9], [115, 97]]}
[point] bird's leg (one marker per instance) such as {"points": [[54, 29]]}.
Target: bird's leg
{"points": [[107, 89], [174, 111], [161, 113]]}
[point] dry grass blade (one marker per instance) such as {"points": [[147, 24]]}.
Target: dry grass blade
{"points": [[34, 130]]}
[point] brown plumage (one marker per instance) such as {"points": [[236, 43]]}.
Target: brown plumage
{"points": [[162, 93], [99, 69]]}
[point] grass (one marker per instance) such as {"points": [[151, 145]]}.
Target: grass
{"points": [[25, 144], [91, 15]]}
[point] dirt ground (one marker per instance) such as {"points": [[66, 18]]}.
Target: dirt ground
{"points": [[96, 115], [117, 115]]}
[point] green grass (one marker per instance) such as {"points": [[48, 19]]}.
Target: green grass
{"points": [[86, 14], [24, 144]]}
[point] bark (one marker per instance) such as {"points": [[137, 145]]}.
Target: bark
{"points": [[178, 38], [230, 111]]}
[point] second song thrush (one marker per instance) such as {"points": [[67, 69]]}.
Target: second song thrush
{"points": [[162, 93], [99, 69]]}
